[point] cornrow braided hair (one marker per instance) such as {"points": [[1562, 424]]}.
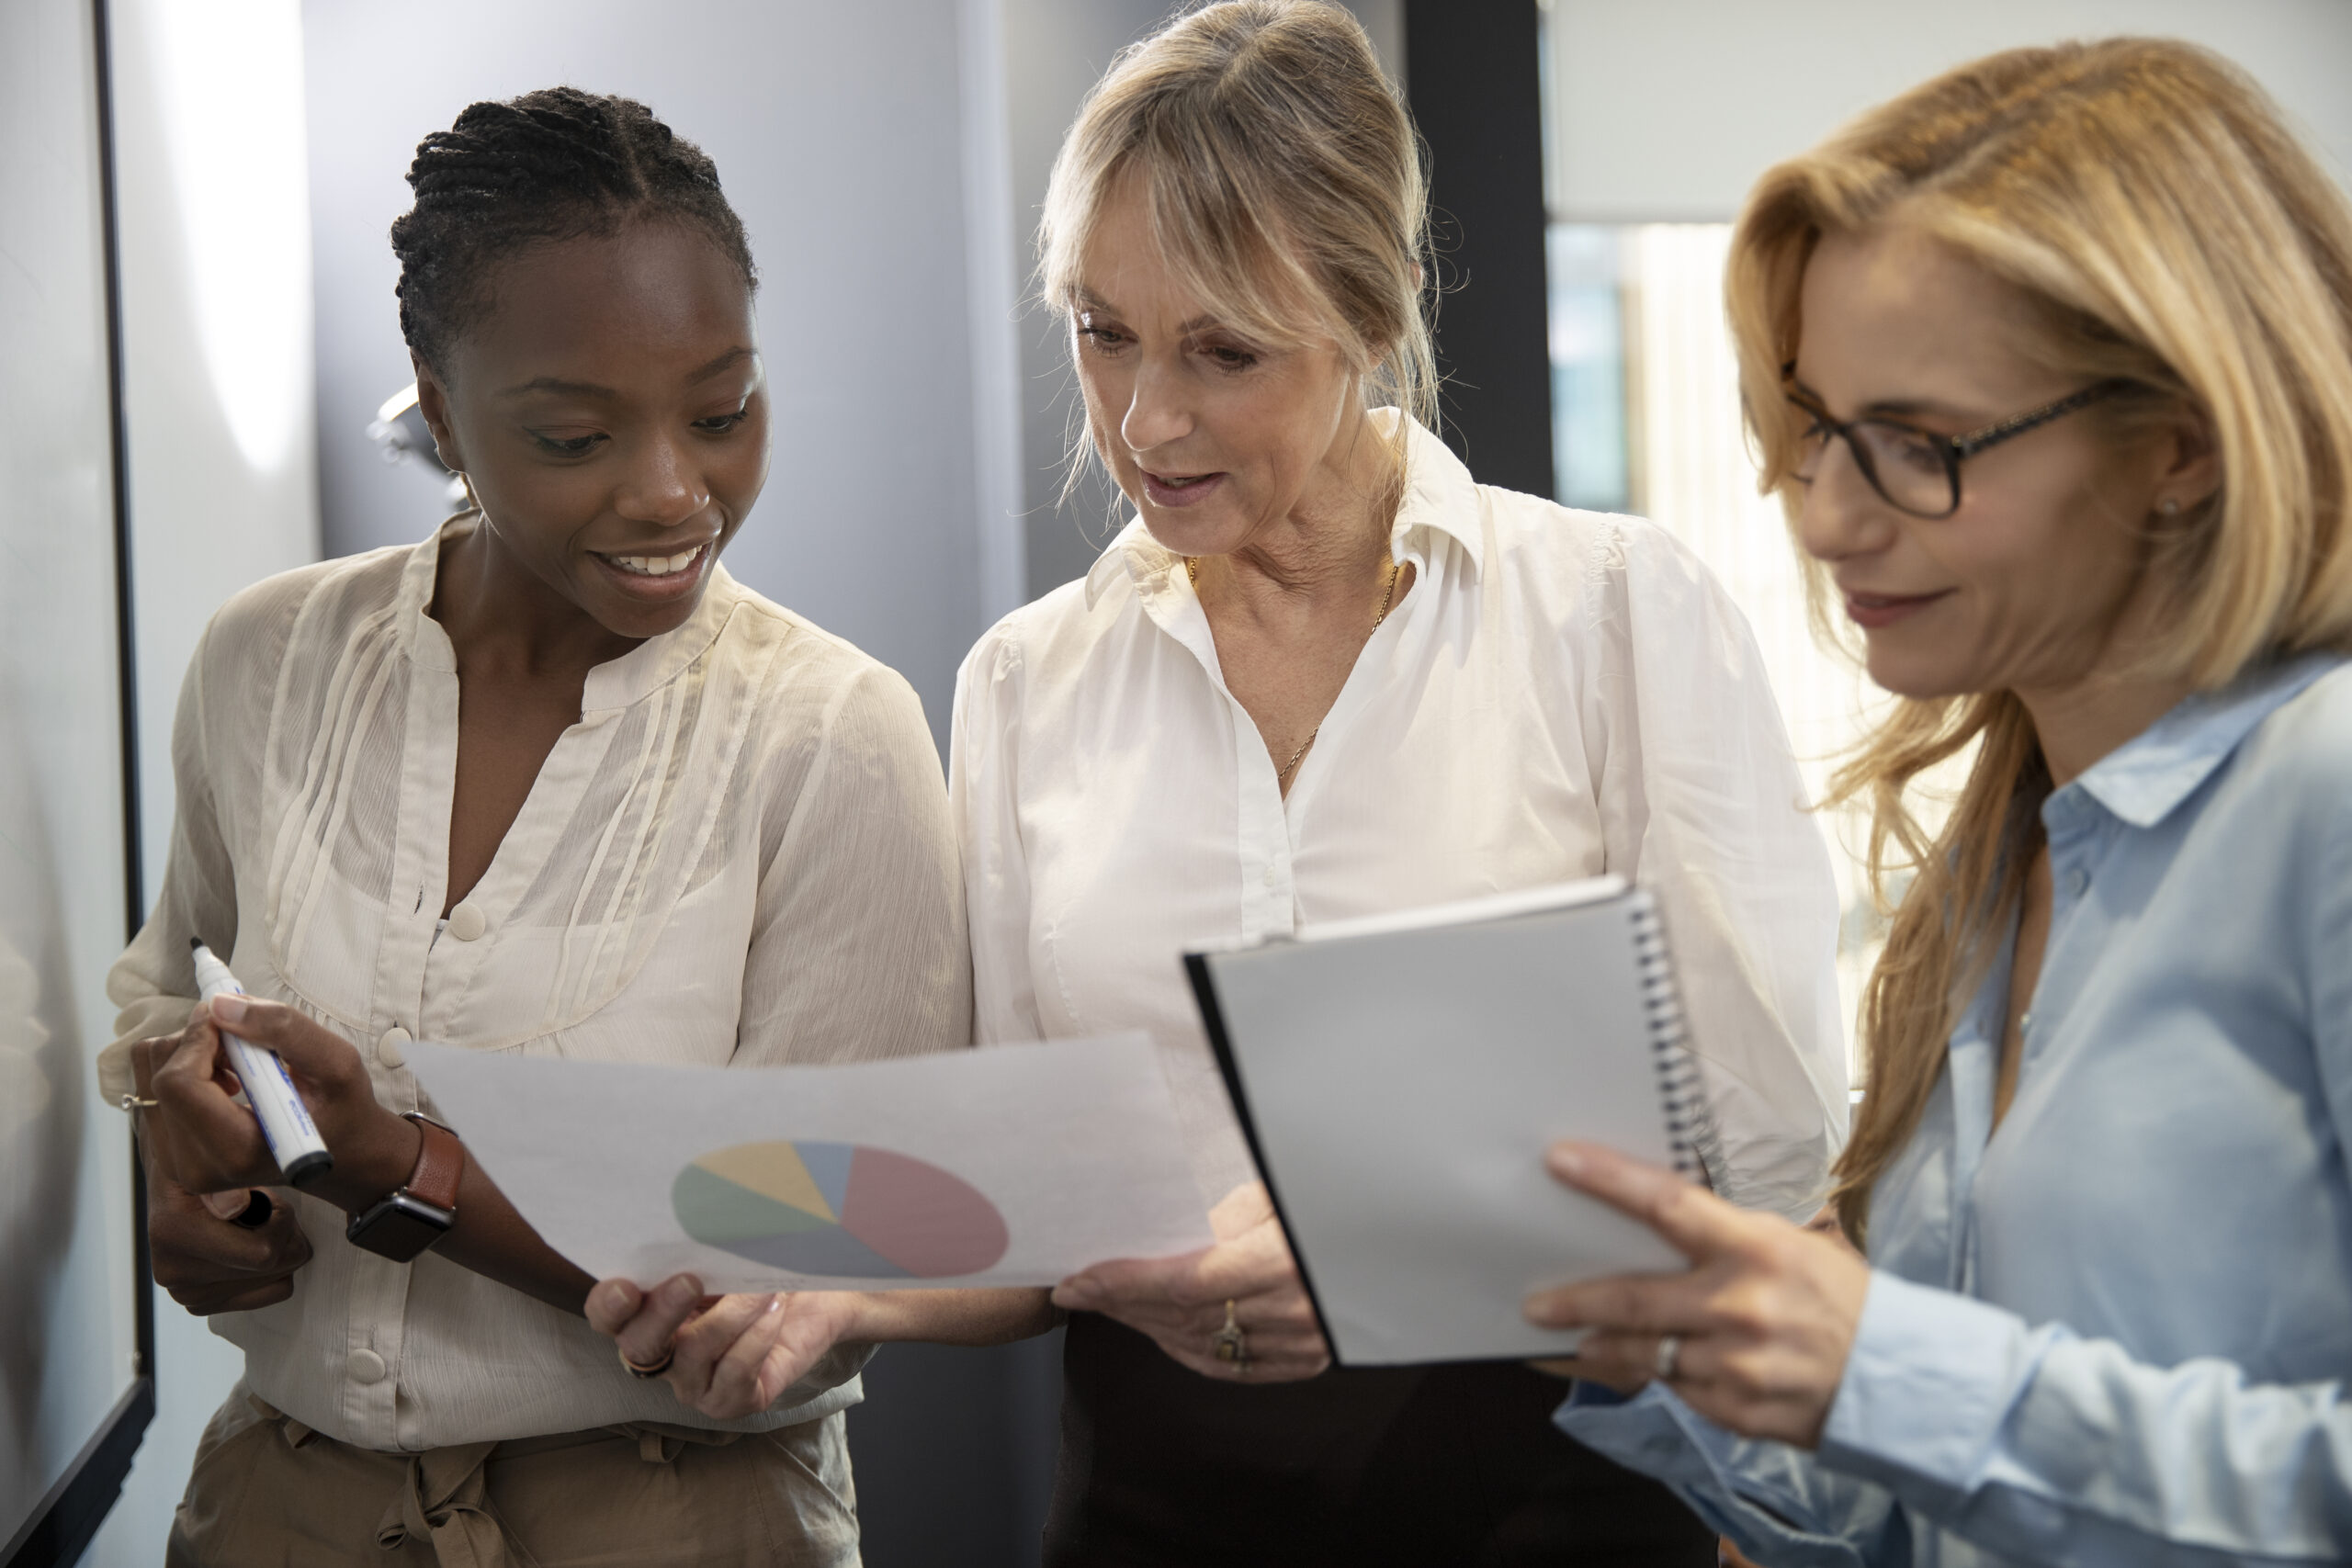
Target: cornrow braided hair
{"points": [[551, 166]]}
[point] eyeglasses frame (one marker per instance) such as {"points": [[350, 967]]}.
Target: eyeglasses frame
{"points": [[1952, 449]]}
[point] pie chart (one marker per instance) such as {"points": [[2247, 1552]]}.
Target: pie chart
{"points": [[846, 1210]]}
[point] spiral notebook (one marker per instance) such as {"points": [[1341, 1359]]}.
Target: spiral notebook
{"points": [[1398, 1079]]}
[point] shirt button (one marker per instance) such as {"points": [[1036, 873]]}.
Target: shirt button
{"points": [[1272, 877], [2078, 882], [365, 1366], [389, 1049], [466, 922]]}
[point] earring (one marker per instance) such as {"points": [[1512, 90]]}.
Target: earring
{"points": [[2169, 507]]}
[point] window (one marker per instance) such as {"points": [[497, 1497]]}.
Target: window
{"points": [[1645, 419]]}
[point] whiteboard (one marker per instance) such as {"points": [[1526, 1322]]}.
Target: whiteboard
{"points": [[70, 1281]]}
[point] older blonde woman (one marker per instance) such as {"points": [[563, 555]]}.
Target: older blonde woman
{"points": [[2052, 361], [1325, 673]]}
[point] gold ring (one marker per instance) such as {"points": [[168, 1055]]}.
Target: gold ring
{"points": [[654, 1370], [1231, 1344]]}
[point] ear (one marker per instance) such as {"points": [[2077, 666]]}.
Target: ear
{"points": [[2189, 460], [433, 402]]}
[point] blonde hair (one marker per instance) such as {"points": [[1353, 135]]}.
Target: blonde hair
{"points": [[2171, 234], [1282, 177]]}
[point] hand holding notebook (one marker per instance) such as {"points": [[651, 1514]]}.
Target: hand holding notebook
{"points": [[1400, 1079]]}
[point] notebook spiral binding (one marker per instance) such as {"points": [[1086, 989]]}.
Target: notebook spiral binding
{"points": [[1690, 1123]]}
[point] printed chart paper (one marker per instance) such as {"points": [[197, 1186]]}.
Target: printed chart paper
{"points": [[1013, 1165]]}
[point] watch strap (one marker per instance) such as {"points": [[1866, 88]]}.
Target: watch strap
{"points": [[440, 1164]]}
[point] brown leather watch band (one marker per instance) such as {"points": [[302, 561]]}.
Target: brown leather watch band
{"points": [[440, 1164]]}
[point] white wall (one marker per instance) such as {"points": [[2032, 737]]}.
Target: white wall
{"points": [[1055, 49], [224, 483], [1667, 111], [840, 132]]}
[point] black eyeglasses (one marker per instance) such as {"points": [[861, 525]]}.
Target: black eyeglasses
{"points": [[1917, 470]]}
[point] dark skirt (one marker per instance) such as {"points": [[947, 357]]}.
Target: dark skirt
{"points": [[1423, 1466]]}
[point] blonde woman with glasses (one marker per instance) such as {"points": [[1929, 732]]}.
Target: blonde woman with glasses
{"points": [[2051, 360], [1325, 673]]}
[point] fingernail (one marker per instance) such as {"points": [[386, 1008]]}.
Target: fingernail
{"points": [[228, 1008], [1568, 1161], [776, 1304], [682, 1290], [1548, 1312]]}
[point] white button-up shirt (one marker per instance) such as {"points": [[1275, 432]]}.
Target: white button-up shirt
{"points": [[740, 856], [1561, 693]]}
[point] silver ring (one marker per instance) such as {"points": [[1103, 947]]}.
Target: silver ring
{"points": [[1669, 1357]]}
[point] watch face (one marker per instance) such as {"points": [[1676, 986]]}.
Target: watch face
{"points": [[399, 1228]]}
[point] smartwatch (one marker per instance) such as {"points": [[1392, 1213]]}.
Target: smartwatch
{"points": [[407, 1221]]}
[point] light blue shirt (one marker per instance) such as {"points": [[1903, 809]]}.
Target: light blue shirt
{"points": [[2118, 1331]]}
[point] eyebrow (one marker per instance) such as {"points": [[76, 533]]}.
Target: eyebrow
{"points": [[559, 386], [1888, 407], [1088, 299]]}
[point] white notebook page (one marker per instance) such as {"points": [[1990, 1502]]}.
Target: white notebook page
{"points": [[1402, 1087]]}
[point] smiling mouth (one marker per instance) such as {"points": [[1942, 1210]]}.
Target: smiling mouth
{"points": [[653, 566], [1178, 481], [1881, 612]]}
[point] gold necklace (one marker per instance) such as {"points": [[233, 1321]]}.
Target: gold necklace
{"points": [[1388, 602]]}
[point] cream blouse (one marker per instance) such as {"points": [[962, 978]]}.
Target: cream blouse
{"points": [[1561, 693], [740, 856]]}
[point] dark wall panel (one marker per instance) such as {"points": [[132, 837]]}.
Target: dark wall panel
{"points": [[1472, 70]]}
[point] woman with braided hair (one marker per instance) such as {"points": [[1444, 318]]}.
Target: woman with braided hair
{"points": [[549, 782]]}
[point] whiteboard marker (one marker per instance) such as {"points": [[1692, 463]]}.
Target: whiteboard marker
{"points": [[285, 1121]]}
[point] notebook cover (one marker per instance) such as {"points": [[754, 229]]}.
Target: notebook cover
{"points": [[1460, 1051]]}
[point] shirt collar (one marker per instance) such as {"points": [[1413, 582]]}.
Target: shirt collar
{"points": [[1134, 553], [1440, 497], [2143, 780], [611, 686]]}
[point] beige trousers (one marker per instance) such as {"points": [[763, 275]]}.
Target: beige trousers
{"points": [[267, 1492]]}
